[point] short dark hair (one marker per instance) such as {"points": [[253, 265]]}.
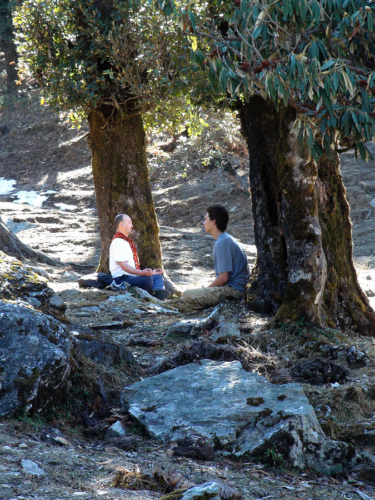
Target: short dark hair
{"points": [[220, 215], [119, 218]]}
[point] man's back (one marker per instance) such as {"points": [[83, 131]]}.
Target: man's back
{"points": [[229, 257]]}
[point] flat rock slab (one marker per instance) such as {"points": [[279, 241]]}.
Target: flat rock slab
{"points": [[238, 413]]}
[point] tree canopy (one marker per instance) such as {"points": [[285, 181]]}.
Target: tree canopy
{"points": [[87, 53], [314, 55]]}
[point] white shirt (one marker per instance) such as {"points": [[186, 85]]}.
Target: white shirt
{"points": [[120, 251]]}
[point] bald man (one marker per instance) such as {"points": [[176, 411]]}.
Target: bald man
{"points": [[124, 262]]}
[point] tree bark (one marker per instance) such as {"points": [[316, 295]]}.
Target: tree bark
{"points": [[11, 245], [122, 183], [11, 59], [304, 267], [7, 43]]}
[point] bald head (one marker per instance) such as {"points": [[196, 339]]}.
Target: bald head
{"points": [[118, 219], [123, 224]]}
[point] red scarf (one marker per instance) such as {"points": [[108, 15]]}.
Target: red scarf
{"points": [[132, 246]]}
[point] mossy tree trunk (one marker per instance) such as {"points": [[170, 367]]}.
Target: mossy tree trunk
{"points": [[304, 267], [122, 182]]}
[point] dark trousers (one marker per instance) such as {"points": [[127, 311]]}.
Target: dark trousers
{"points": [[155, 282]]}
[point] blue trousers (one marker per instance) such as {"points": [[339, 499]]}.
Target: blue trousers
{"points": [[155, 282]]}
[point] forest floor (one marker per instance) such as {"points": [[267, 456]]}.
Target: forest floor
{"points": [[47, 199]]}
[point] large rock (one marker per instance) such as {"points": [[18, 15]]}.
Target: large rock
{"points": [[35, 359], [238, 413], [20, 284]]}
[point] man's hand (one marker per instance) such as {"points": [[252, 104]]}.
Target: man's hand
{"points": [[151, 272], [157, 271]]}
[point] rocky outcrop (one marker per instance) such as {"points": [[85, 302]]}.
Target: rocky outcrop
{"points": [[35, 359], [21, 285], [237, 413]]}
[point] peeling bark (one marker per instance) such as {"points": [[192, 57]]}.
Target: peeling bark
{"points": [[304, 268], [122, 183]]}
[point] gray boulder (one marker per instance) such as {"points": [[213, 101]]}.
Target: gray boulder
{"points": [[238, 413], [35, 359]]}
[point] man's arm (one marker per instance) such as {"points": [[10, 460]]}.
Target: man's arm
{"points": [[138, 272], [220, 280]]}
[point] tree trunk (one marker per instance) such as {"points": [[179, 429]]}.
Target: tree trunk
{"points": [[122, 182], [11, 59], [7, 43], [11, 245], [304, 267]]}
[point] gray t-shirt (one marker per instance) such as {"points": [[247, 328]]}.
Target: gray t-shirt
{"points": [[230, 258]]}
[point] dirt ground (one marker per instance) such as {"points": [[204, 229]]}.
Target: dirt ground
{"points": [[40, 151]]}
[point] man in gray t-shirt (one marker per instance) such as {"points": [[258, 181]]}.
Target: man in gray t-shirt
{"points": [[231, 267]]}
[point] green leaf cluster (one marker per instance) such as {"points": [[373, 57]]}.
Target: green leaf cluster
{"points": [[90, 53], [317, 56]]}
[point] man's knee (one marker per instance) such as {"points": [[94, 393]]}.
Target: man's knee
{"points": [[190, 298], [199, 298], [148, 283]]}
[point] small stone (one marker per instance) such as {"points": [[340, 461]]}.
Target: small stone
{"points": [[207, 490], [41, 272], [31, 468], [145, 295], [57, 302], [370, 293], [116, 430], [368, 277], [125, 297], [54, 436], [33, 301], [225, 332], [90, 309], [22, 445], [180, 329]]}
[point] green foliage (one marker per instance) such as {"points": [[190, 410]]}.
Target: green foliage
{"points": [[88, 53], [304, 329], [314, 55], [273, 459], [32, 421]]}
